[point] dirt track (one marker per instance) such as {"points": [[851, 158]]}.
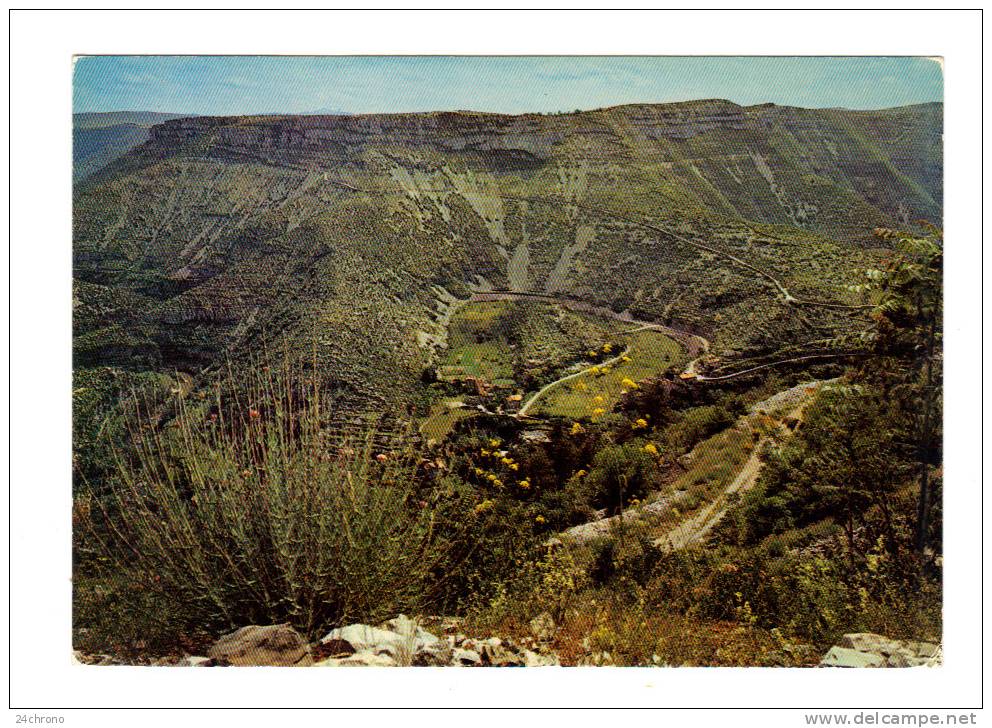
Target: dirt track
{"points": [[693, 530]]}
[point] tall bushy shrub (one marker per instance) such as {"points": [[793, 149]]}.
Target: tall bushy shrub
{"points": [[619, 473], [254, 511]]}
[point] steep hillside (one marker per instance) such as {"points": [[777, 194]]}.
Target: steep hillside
{"points": [[765, 163], [349, 238], [101, 138]]}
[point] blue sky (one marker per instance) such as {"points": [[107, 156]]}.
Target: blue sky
{"points": [[226, 85]]}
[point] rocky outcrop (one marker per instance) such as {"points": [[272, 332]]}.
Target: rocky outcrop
{"points": [[276, 645], [359, 659], [865, 649], [535, 134], [288, 138], [403, 642]]}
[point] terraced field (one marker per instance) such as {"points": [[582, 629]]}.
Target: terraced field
{"points": [[478, 344], [506, 342], [443, 417]]}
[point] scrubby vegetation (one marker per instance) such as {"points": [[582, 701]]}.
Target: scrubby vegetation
{"points": [[252, 510]]}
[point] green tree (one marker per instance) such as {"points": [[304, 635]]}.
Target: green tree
{"points": [[906, 339], [849, 456], [619, 473]]}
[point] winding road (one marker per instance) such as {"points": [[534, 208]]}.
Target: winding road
{"points": [[693, 344], [537, 395], [697, 527], [732, 375]]}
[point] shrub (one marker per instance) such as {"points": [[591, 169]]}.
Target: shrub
{"points": [[821, 597], [620, 473], [487, 545], [695, 425], [96, 425], [629, 557], [258, 514], [566, 506], [550, 582]]}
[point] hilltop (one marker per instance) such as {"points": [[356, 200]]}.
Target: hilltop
{"points": [[889, 158]]}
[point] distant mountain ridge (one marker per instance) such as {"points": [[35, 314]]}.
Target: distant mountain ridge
{"points": [[765, 163], [99, 138], [99, 119]]}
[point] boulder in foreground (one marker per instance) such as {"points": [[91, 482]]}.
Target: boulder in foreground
{"points": [[276, 645]]}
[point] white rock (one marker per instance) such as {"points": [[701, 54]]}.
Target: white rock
{"points": [[534, 659], [358, 638], [416, 645], [924, 650], [846, 657], [400, 638], [870, 642]]}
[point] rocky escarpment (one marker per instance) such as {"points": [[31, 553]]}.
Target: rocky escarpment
{"points": [[685, 121], [536, 134], [826, 169], [329, 138]]}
